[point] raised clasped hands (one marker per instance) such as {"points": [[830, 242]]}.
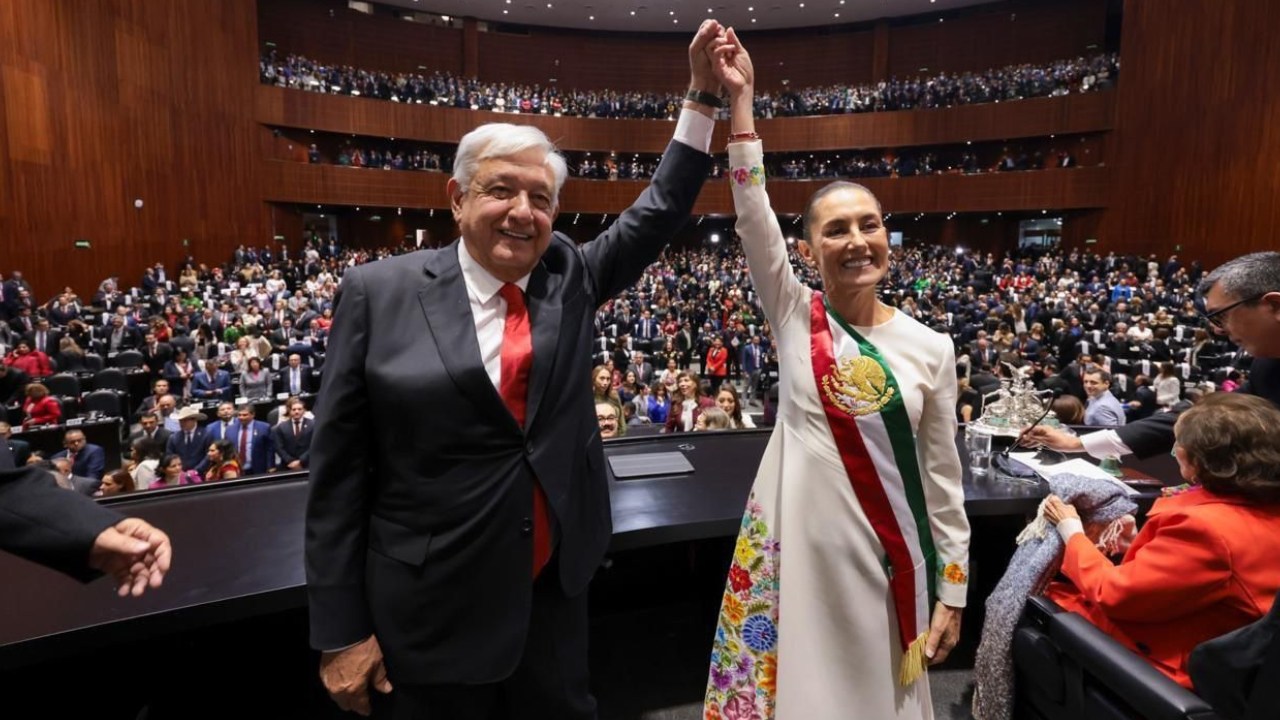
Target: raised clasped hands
{"points": [[135, 555], [701, 76], [731, 64]]}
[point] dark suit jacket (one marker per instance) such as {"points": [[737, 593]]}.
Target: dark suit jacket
{"points": [[90, 462], [215, 387], [1154, 435], [282, 379], [419, 521], [46, 524], [193, 453], [261, 447], [21, 450], [292, 447], [51, 340]]}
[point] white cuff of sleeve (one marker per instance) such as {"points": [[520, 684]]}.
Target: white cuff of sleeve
{"points": [[694, 129], [746, 154], [1104, 444], [1069, 527]]}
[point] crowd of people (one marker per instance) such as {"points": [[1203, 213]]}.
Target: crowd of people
{"points": [[1120, 337], [384, 158], [1014, 82]]}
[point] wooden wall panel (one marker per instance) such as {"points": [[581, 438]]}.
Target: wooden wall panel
{"points": [[1009, 34], [1046, 189], [994, 121], [328, 31], [1196, 135], [117, 100]]}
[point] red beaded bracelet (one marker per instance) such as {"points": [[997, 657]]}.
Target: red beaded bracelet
{"points": [[749, 135]]}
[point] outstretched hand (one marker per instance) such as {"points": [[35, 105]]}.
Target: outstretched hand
{"points": [[701, 76], [732, 64], [135, 554]]}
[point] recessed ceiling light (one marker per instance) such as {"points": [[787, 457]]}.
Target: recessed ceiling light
{"points": [[801, 4], [674, 21], [671, 12], [837, 14], [593, 17], [753, 19], [504, 12], [633, 12], [750, 9]]}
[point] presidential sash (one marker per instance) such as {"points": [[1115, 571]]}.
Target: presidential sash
{"points": [[868, 418]]}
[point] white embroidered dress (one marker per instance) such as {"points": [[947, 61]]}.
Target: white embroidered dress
{"points": [[807, 627]]}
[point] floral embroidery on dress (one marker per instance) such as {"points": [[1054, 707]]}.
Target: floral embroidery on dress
{"points": [[753, 175], [742, 683], [955, 573]]}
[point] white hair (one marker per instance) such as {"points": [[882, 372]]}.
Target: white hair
{"points": [[497, 140]]}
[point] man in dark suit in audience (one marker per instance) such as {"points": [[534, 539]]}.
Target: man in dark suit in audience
{"points": [[292, 437], [983, 354], [19, 449], [149, 428], [13, 382], [456, 434], [44, 338], [253, 442], [296, 378], [223, 426], [155, 354], [190, 442], [87, 460], [211, 383], [118, 337]]}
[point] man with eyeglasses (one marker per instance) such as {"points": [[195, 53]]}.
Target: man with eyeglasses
{"points": [[1241, 300], [607, 417]]}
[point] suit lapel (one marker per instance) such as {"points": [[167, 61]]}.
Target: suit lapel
{"points": [[448, 310], [543, 300]]}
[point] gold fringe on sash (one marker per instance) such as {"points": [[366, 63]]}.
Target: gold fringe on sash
{"points": [[913, 661]]}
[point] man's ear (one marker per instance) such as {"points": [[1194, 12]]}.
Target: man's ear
{"points": [[455, 191]]}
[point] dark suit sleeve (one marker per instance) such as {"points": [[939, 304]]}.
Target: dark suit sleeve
{"points": [[1150, 436], [96, 462], [617, 258], [48, 525], [337, 509]]}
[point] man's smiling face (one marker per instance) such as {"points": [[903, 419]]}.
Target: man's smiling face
{"points": [[507, 212]]}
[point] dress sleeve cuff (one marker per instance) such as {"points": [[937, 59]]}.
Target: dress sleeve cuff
{"points": [[1103, 444], [1069, 527], [953, 584], [694, 129]]}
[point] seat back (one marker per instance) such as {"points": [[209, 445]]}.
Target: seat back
{"points": [[129, 359], [109, 403], [110, 379], [63, 385]]}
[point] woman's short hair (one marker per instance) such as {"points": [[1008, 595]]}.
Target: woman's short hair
{"points": [[499, 140], [697, 384], [37, 390], [1231, 441]]}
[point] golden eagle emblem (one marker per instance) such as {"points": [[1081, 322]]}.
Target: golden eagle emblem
{"points": [[858, 386]]}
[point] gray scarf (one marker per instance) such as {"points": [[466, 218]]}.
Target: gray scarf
{"points": [[1034, 563]]}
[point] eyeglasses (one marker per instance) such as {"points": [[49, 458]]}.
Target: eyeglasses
{"points": [[1218, 318]]}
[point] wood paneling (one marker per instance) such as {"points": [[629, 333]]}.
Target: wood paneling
{"points": [[1071, 114], [330, 32], [115, 100], [1045, 189], [1196, 134], [1008, 34]]}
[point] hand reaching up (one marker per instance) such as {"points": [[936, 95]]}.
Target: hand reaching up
{"points": [[731, 64]]}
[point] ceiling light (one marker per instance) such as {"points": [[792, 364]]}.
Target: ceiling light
{"points": [[674, 21], [801, 4], [633, 12], [753, 19], [837, 14], [751, 9], [548, 5], [593, 17]]}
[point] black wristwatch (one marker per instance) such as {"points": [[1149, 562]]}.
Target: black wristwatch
{"points": [[704, 97]]}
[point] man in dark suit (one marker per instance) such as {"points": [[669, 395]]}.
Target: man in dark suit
{"points": [[291, 439], [44, 338], [149, 428], [211, 383], [1242, 301], [74, 535], [118, 336], [155, 354], [252, 439], [19, 449], [296, 378], [87, 460], [190, 442], [458, 502]]}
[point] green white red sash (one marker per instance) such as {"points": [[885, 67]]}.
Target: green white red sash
{"points": [[868, 418]]}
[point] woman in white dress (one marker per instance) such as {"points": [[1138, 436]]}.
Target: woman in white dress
{"points": [[851, 566]]}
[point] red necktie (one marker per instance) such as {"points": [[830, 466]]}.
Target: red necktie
{"points": [[513, 385], [244, 444]]}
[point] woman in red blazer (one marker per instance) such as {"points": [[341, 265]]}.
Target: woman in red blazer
{"points": [[687, 403], [1205, 562], [33, 362], [39, 408]]}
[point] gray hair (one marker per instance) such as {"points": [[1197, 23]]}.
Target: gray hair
{"points": [[826, 190], [1247, 276], [496, 140]]}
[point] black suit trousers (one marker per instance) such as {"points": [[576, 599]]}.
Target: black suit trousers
{"points": [[551, 681]]}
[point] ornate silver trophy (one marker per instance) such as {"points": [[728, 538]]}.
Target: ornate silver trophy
{"points": [[1006, 412]]}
